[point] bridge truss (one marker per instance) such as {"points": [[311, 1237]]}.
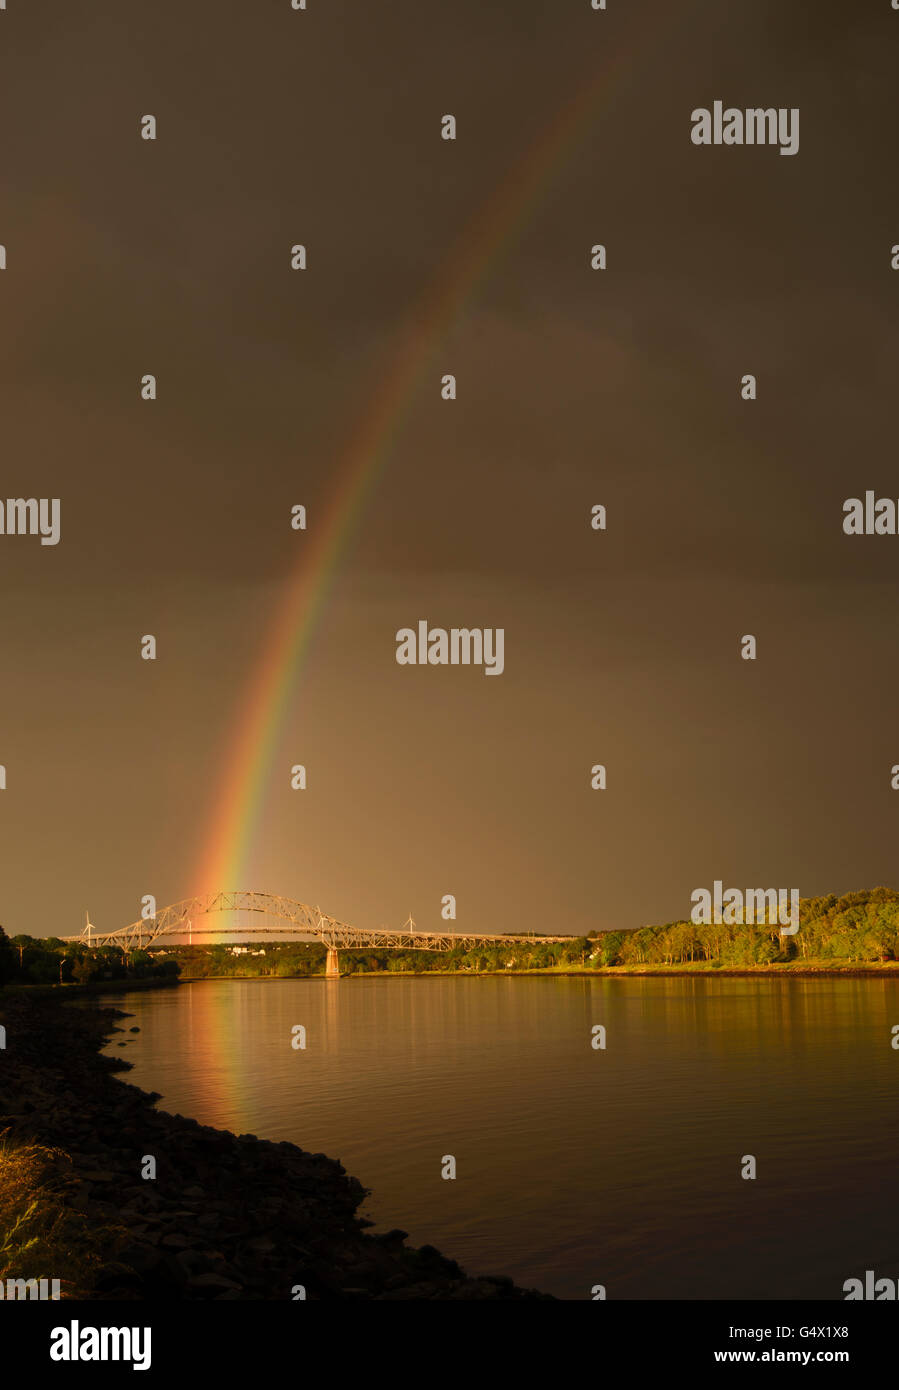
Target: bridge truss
{"points": [[300, 921]]}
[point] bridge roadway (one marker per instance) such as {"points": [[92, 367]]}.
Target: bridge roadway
{"points": [[301, 922]]}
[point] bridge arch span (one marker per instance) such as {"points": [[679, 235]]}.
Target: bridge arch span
{"points": [[300, 921]]}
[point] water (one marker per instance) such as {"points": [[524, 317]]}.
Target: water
{"points": [[575, 1166]]}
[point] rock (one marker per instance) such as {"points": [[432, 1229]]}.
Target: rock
{"points": [[102, 1210], [214, 1282], [176, 1240], [173, 1273], [142, 1259], [259, 1217], [194, 1261], [395, 1237]]}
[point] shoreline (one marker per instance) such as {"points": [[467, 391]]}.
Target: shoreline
{"points": [[227, 1216], [75, 991], [613, 972]]}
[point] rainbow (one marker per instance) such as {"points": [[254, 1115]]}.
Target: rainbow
{"points": [[225, 856]]}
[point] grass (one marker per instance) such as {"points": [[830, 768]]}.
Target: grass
{"points": [[812, 965], [41, 1237]]}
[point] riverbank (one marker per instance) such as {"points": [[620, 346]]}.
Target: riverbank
{"points": [[225, 1217], [702, 969], [64, 992]]}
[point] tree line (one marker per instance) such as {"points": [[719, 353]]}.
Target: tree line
{"points": [[854, 929], [45, 960]]}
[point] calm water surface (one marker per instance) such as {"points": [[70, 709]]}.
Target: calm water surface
{"points": [[575, 1166]]}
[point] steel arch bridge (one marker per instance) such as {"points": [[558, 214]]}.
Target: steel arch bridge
{"points": [[300, 921]]}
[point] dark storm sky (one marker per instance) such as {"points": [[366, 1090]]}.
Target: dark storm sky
{"points": [[127, 257]]}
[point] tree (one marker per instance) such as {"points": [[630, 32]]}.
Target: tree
{"points": [[83, 969], [7, 958], [609, 946]]}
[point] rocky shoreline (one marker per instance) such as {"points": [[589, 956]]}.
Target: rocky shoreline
{"points": [[227, 1217]]}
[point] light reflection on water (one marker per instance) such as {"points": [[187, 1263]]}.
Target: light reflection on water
{"points": [[575, 1166]]}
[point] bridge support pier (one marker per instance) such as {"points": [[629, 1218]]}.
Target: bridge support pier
{"points": [[332, 968]]}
